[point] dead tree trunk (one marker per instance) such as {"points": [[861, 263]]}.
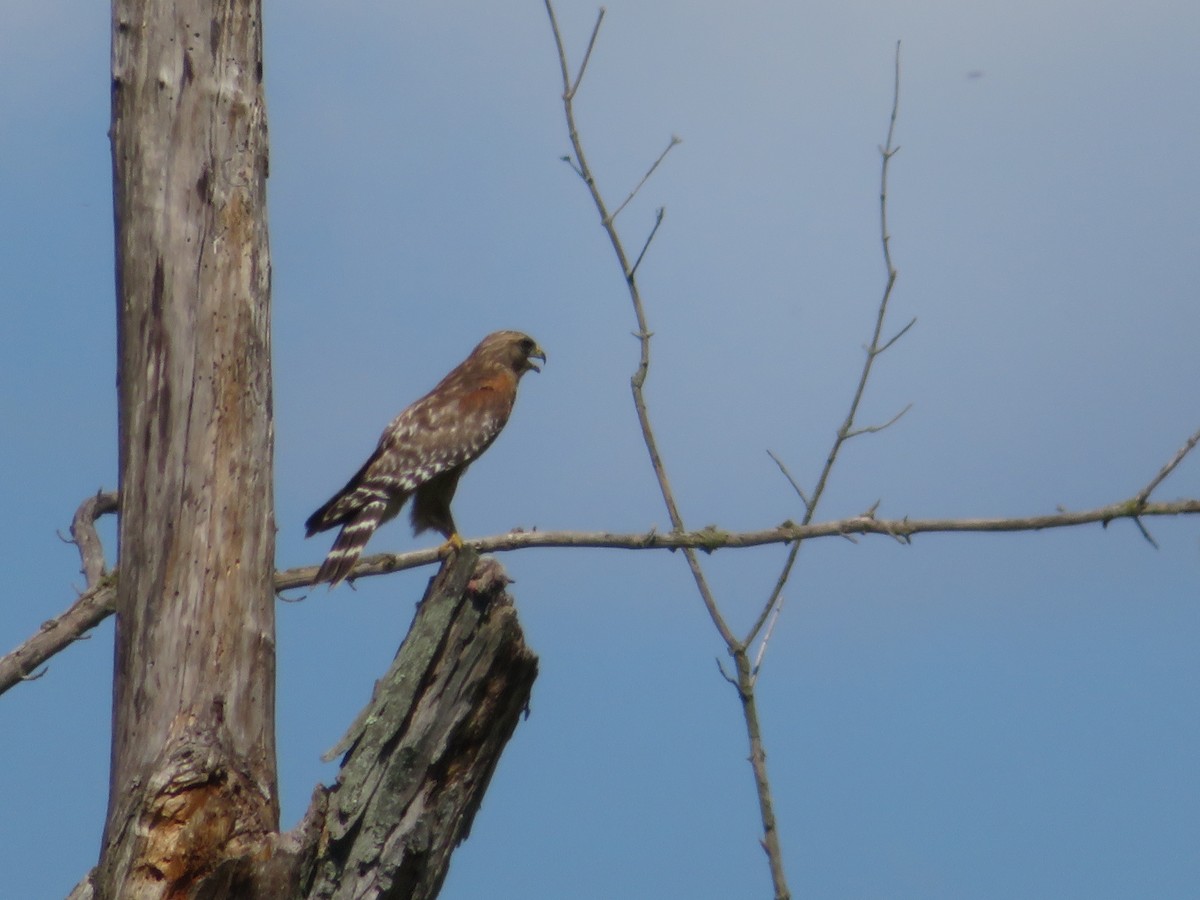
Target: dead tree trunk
{"points": [[193, 778], [420, 755]]}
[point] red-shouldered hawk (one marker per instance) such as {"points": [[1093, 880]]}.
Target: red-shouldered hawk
{"points": [[426, 449]]}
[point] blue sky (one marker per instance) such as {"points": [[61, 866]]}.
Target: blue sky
{"points": [[971, 716]]}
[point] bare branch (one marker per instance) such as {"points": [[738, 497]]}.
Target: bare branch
{"points": [[777, 591], [92, 608], [658, 217], [637, 381], [562, 51], [1145, 533], [888, 151], [847, 430], [571, 86], [711, 539], [1144, 493], [873, 429], [84, 536], [97, 603], [758, 763], [587, 53], [875, 347], [570, 162], [674, 140], [724, 674], [899, 334], [762, 647], [792, 481]]}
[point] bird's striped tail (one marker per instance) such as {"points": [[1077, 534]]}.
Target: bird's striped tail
{"points": [[350, 543]]}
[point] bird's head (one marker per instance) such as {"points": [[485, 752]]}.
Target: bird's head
{"points": [[513, 349]]}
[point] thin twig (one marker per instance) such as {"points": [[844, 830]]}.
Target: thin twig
{"points": [[658, 218], [724, 674], [1145, 533], [1144, 493], [587, 55], [674, 140], [570, 162], [562, 51], [792, 481], [875, 429], [762, 647], [899, 334]]}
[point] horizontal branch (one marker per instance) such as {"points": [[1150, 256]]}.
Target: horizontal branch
{"points": [[96, 604], [712, 538]]}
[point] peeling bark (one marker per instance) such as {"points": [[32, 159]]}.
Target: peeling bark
{"points": [[419, 758]]}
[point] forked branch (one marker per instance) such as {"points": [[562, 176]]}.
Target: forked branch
{"points": [[93, 606], [643, 333], [736, 649], [1144, 494], [873, 351]]}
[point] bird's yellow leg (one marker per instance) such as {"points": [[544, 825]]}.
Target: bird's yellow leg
{"points": [[453, 543]]}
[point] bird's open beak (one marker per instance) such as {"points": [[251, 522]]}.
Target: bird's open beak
{"points": [[538, 353]]}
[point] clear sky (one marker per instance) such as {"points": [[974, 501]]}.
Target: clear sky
{"points": [[969, 717]]}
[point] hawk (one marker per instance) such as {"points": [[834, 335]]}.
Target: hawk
{"points": [[425, 450]]}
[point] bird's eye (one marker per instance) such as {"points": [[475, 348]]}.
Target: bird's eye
{"points": [[526, 346]]}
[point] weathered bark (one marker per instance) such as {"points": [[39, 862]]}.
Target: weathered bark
{"points": [[422, 752], [193, 762]]}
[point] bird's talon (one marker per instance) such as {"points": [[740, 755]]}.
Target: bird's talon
{"points": [[453, 544]]}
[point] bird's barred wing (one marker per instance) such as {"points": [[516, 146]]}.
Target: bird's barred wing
{"points": [[438, 434], [434, 435]]}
